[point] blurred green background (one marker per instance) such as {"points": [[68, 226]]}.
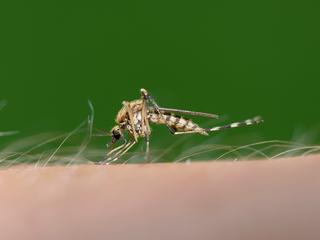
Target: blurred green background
{"points": [[235, 58]]}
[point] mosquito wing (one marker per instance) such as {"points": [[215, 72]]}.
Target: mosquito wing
{"points": [[200, 114]]}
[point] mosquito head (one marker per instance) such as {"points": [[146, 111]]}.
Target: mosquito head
{"points": [[116, 133]]}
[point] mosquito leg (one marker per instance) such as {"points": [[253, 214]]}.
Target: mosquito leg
{"points": [[190, 132], [144, 118], [116, 152], [121, 153], [247, 122], [130, 113], [145, 95], [147, 157], [145, 127], [117, 148], [127, 149]]}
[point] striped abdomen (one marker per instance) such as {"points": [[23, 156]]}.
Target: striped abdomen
{"points": [[177, 123]]}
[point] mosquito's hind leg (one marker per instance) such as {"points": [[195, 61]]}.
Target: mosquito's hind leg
{"points": [[251, 121]]}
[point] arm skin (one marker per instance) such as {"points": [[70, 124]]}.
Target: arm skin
{"points": [[275, 199]]}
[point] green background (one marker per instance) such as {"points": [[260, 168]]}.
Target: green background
{"points": [[235, 58]]}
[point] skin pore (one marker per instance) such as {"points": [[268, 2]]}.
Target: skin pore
{"points": [[266, 199]]}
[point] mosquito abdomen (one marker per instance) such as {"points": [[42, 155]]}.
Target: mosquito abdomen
{"points": [[178, 123]]}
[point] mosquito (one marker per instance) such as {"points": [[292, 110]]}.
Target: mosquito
{"points": [[136, 116]]}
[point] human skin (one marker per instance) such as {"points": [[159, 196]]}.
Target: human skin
{"points": [[266, 199]]}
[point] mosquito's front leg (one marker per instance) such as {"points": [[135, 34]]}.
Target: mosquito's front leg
{"points": [[131, 119], [117, 148], [119, 154], [115, 152]]}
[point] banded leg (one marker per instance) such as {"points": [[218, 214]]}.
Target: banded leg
{"points": [[252, 121]]}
